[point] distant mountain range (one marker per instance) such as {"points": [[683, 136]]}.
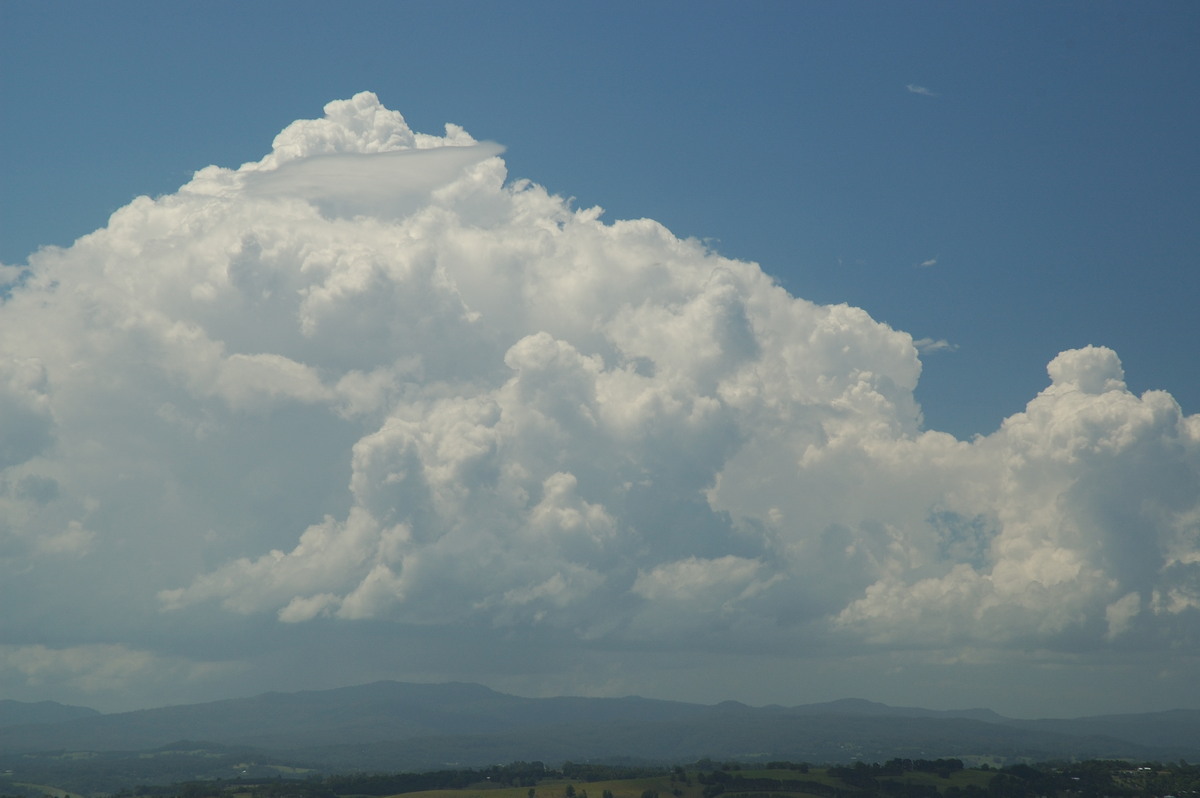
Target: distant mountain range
{"points": [[399, 726], [16, 713]]}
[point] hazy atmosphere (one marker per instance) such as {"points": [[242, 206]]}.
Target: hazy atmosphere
{"points": [[768, 351]]}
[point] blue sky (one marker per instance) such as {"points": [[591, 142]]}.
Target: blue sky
{"points": [[1003, 182]]}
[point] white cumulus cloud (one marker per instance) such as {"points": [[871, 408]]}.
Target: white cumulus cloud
{"points": [[370, 378]]}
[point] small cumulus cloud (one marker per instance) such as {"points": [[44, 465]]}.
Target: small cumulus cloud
{"points": [[913, 88], [925, 264], [928, 345]]}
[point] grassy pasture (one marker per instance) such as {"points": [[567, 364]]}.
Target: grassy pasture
{"points": [[557, 788], [45, 789], [665, 787], [961, 778]]}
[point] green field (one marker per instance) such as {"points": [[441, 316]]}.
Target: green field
{"points": [[665, 787], [706, 779]]}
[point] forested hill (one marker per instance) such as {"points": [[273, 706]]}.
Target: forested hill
{"points": [[398, 726], [19, 713]]}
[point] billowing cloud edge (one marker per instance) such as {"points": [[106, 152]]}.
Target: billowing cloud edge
{"points": [[512, 413]]}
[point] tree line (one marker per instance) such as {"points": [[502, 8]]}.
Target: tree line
{"points": [[1088, 779]]}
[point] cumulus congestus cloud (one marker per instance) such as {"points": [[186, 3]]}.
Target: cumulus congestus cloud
{"points": [[368, 377]]}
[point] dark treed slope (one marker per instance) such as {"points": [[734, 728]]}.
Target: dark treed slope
{"points": [[382, 711], [1179, 728], [390, 726], [16, 713]]}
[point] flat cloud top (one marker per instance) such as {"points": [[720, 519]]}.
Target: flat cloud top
{"points": [[386, 184], [369, 378]]}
